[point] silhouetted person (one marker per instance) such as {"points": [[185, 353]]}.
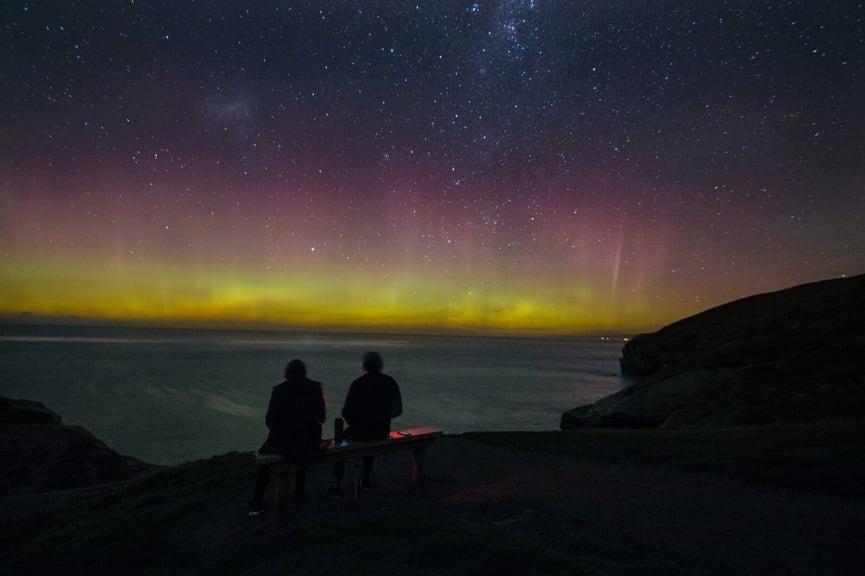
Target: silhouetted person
{"points": [[372, 400], [294, 416]]}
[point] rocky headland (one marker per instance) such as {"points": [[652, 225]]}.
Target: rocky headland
{"points": [[794, 355], [38, 453]]}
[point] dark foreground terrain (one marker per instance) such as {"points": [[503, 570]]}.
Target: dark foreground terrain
{"points": [[779, 499], [739, 451]]}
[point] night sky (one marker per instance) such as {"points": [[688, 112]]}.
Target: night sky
{"points": [[553, 166]]}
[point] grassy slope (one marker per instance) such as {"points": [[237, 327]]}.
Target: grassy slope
{"points": [[821, 456], [190, 518]]}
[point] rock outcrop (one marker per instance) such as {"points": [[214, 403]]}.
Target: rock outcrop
{"points": [[39, 453], [793, 355]]}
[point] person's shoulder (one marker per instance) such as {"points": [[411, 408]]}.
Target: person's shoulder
{"points": [[278, 392], [314, 383]]}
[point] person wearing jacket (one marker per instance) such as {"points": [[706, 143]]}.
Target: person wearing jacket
{"points": [[372, 401], [295, 415]]}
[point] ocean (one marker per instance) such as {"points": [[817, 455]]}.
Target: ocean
{"points": [[167, 396]]}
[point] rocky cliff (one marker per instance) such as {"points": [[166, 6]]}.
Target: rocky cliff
{"points": [[793, 355], [39, 453]]}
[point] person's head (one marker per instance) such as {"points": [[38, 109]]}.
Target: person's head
{"points": [[295, 370], [372, 362]]}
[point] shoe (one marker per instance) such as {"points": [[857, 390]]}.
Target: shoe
{"points": [[366, 486], [256, 508]]}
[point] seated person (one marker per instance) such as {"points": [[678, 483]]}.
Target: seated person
{"points": [[372, 400], [295, 415]]}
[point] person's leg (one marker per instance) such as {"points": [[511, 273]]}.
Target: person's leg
{"points": [[336, 478], [263, 477], [299, 482], [368, 462]]}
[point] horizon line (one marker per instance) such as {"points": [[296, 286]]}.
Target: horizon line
{"points": [[31, 319]]}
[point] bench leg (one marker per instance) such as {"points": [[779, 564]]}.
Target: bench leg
{"points": [[417, 460], [283, 490]]}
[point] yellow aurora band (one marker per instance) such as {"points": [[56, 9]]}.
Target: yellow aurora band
{"points": [[165, 293]]}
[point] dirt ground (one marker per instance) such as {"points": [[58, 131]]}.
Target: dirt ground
{"points": [[614, 517], [481, 509]]}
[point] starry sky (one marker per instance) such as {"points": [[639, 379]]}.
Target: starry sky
{"points": [[513, 165]]}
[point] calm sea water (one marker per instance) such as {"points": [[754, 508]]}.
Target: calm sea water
{"points": [[167, 396]]}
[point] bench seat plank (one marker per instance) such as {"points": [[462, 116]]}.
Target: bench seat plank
{"points": [[414, 439]]}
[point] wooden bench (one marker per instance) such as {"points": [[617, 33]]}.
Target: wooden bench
{"points": [[415, 439]]}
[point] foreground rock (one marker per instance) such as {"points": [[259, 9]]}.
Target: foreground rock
{"points": [[39, 453], [793, 355]]}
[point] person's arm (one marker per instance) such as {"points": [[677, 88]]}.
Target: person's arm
{"points": [[322, 406], [348, 407], [396, 401], [271, 409]]}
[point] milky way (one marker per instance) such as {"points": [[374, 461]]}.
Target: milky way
{"points": [[515, 165]]}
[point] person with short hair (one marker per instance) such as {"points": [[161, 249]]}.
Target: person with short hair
{"points": [[372, 401], [295, 414]]}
